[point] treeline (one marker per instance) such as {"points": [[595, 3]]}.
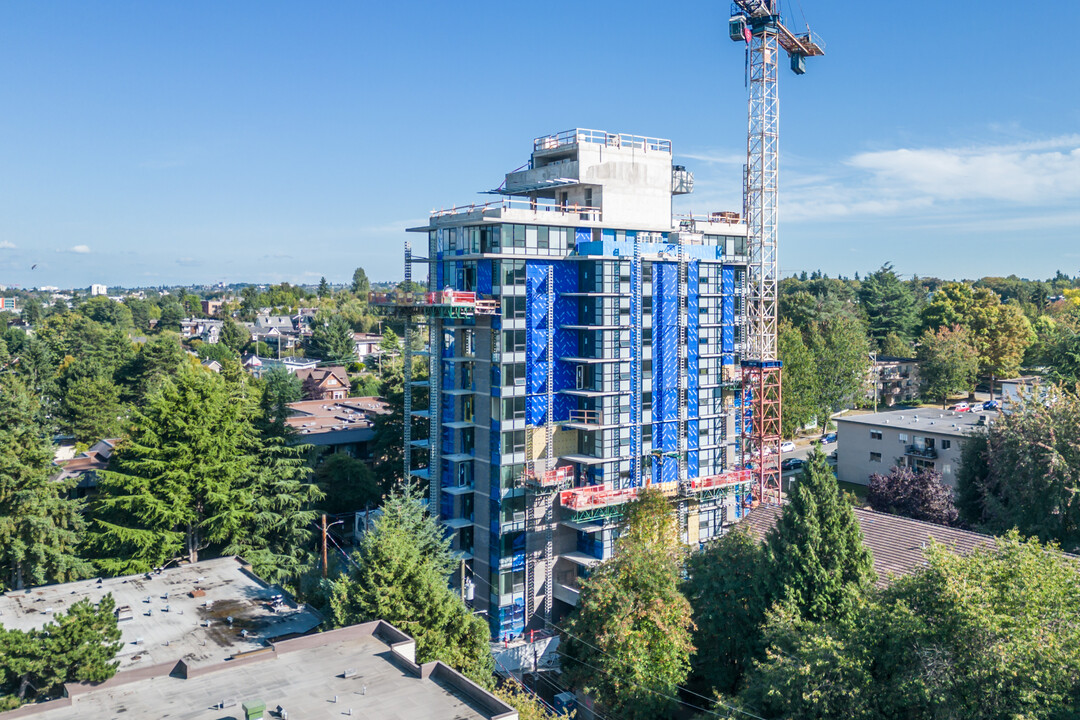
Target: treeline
{"points": [[959, 331], [795, 626]]}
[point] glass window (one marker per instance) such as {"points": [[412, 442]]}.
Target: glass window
{"points": [[875, 434], [945, 445], [542, 237], [875, 457]]}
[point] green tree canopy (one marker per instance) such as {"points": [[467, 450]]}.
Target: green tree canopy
{"points": [[842, 355], [360, 283], [233, 334], [181, 483], [106, 311], [948, 363], [817, 560], [39, 525], [628, 644], [728, 591], [799, 379], [91, 408], [403, 565], [332, 339], [76, 646], [1024, 471], [348, 484], [987, 636], [889, 305]]}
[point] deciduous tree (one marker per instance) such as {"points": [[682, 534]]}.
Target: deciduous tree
{"points": [[986, 636], [629, 642], [948, 363], [799, 378], [915, 494], [1024, 472], [728, 591], [360, 284]]}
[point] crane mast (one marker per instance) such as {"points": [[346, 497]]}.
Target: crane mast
{"points": [[758, 23]]}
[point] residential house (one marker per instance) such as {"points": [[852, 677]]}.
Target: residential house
{"points": [[328, 383], [212, 365], [367, 344], [1013, 389], [209, 331], [85, 466]]}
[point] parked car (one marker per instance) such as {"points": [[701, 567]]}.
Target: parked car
{"points": [[787, 446], [960, 407], [828, 438], [992, 405], [792, 464], [976, 407]]}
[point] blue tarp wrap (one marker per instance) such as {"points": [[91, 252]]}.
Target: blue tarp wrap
{"points": [[665, 369], [483, 277], [565, 342]]}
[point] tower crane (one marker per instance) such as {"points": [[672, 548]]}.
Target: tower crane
{"points": [[759, 25]]}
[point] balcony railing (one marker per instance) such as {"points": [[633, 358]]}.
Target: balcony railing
{"points": [[495, 208], [929, 453], [600, 137]]}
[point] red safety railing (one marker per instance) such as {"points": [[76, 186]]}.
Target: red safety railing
{"points": [[594, 497], [555, 477], [735, 477]]}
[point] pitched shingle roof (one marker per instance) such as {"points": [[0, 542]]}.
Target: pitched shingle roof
{"points": [[898, 543]]}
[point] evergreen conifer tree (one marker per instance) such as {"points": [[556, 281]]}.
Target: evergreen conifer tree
{"points": [[40, 525], [181, 483], [816, 558], [402, 570]]}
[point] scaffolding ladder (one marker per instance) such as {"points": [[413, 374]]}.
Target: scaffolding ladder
{"points": [[406, 360], [684, 384], [637, 475], [549, 509]]}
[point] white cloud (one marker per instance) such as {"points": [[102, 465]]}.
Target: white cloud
{"points": [[7, 245], [81, 249], [1043, 174]]}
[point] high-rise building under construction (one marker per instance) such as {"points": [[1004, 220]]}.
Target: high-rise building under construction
{"points": [[584, 342]]}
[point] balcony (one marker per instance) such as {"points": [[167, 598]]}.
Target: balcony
{"points": [[927, 453]]}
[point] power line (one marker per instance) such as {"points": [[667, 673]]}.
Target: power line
{"points": [[665, 695], [680, 687]]}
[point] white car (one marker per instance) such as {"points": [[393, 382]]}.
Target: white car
{"points": [[787, 446]]}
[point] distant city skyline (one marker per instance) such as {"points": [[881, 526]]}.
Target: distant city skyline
{"points": [[155, 144]]}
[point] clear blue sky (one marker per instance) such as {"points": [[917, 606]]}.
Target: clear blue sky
{"points": [[164, 142]]}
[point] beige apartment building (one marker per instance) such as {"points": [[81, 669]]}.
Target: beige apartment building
{"points": [[922, 439]]}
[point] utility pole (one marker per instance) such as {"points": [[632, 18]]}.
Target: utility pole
{"points": [[877, 376], [324, 546]]}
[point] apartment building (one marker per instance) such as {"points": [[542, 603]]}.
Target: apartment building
{"points": [[606, 359], [922, 438]]}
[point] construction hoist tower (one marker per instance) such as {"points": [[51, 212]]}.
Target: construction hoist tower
{"points": [[758, 24]]}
